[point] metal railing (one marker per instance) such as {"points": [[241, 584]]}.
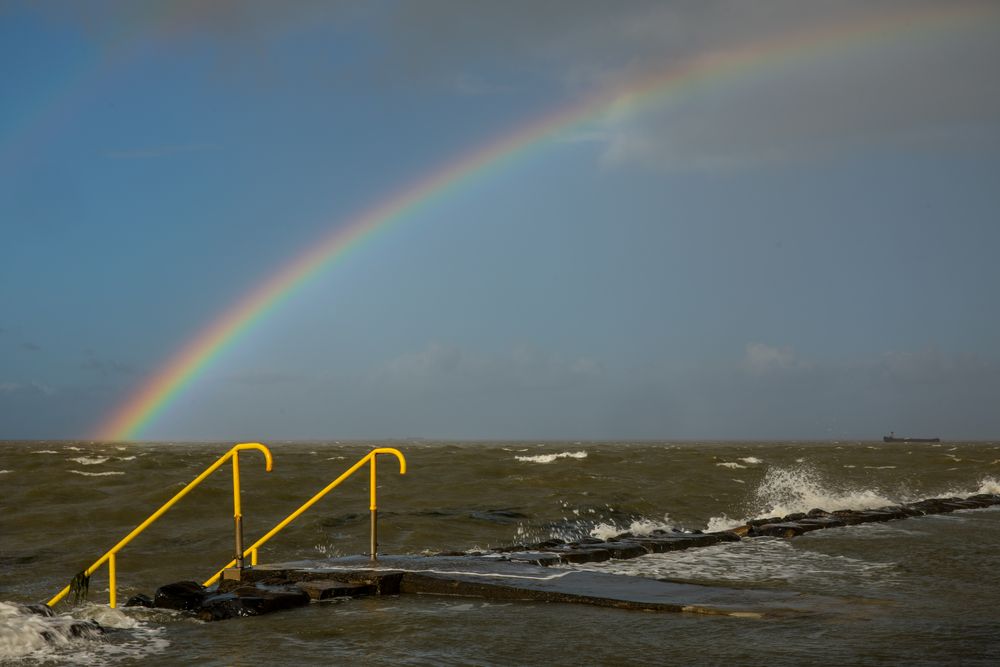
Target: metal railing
{"points": [[110, 556], [373, 507]]}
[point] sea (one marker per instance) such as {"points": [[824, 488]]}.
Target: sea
{"points": [[919, 591]]}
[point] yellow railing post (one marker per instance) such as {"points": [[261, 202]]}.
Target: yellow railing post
{"points": [[237, 511], [374, 512], [370, 456], [109, 557]]}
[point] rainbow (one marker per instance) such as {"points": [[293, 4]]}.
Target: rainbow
{"points": [[160, 389]]}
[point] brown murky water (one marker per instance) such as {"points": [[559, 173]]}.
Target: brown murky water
{"points": [[923, 590]]}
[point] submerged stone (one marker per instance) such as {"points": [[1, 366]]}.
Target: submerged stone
{"points": [[140, 600], [251, 601], [182, 596]]}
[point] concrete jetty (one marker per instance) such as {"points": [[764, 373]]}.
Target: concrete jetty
{"points": [[524, 572]]}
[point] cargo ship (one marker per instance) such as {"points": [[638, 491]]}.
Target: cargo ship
{"points": [[892, 438]]}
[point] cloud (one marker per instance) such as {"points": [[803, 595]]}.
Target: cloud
{"points": [[439, 367], [938, 89], [28, 388], [932, 89], [105, 367], [759, 358]]}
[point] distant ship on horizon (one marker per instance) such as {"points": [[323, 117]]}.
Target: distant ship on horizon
{"points": [[892, 438]]}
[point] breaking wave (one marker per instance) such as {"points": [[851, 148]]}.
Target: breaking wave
{"points": [[89, 461], [73, 638], [549, 458], [641, 526], [96, 474]]}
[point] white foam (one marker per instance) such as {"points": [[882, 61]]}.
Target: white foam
{"points": [[549, 458], [802, 488], [4, 472], [719, 523], [643, 526], [90, 461], [757, 561], [126, 458], [730, 464], [96, 474], [989, 485], [25, 636], [751, 459], [44, 451]]}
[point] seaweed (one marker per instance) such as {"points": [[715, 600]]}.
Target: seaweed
{"points": [[79, 587]]}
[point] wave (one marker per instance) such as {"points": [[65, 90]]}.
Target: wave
{"points": [[89, 461], [641, 526], [751, 459], [71, 638], [44, 451], [96, 474], [549, 458], [730, 464], [3, 472], [800, 488]]}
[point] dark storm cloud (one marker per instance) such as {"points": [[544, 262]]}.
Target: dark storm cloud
{"points": [[935, 89]]}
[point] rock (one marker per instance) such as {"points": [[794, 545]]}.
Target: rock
{"points": [[85, 629], [624, 550], [182, 596], [784, 529], [39, 608], [140, 600], [583, 555], [251, 601], [545, 558]]}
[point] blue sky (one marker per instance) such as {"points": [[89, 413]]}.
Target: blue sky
{"points": [[806, 252]]}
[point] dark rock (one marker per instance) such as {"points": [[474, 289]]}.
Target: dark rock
{"points": [[583, 555], [85, 629], [251, 601], [624, 550], [548, 544], [182, 596], [817, 512], [795, 516], [545, 558], [139, 600], [40, 609], [785, 530]]}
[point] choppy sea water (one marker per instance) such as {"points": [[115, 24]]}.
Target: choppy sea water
{"points": [[924, 590]]}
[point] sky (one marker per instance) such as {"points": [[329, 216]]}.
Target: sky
{"points": [[803, 248]]}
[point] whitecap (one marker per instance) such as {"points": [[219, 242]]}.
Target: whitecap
{"points": [[801, 488], [549, 458], [2, 472], [751, 459], [44, 451], [89, 461], [730, 464], [96, 474], [880, 467], [605, 531]]}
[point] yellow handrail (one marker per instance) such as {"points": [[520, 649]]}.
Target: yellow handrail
{"points": [[109, 557], [370, 456]]}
